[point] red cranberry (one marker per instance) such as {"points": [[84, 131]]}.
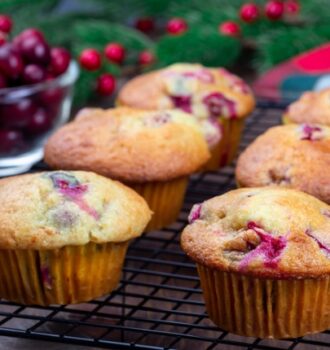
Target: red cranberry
{"points": [[11, 64], [10, 140], [50, 96], [146, 57], [5, 24], [145, 24], [39, 122], [106, 84], [291, 7], [274, 9], [3, 38], [115, 52], [33, 74], [249, 12], [90, 59], [229, 28], [28, 33], [18, 114], [3, 82], [60, 60], [176, 26], [34, 50]]}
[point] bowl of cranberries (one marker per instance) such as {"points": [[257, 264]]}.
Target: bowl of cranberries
{"points": [[36, 86]]}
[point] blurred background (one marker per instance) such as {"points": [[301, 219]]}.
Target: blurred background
{"points": [[249, 38]]}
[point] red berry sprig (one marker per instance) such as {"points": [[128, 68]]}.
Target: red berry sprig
{"points": [[176, 26], [146, 57], [230, 28], [6, 24], [274, 9], [145, 24], [106, 84], [249, 12], [90, 59], [115, 52]]}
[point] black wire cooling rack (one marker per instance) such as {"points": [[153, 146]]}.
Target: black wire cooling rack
{"points": [[159, 303]]}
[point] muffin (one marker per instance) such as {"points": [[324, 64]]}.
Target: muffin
{"points": [[263, 257], [151, 151], [312, 107], [64, 235], [293, 156], [211, 94]]}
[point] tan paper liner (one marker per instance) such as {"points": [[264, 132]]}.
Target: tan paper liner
{"points": [[265, 308], [164, 198], [225, 151], [67, 275]]}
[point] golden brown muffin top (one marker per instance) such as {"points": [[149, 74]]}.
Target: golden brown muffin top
{"points": [[311, 107], [55, 209], [264, 232], [294, 156], [129, 145], [204, 92]]}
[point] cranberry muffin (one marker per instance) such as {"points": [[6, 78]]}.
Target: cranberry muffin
{"points": [[312, 107], [293, 156], [263, 256], [64, 235], [153, 152], [212, 94]]}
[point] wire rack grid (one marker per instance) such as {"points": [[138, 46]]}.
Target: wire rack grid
{"points": [[159, 303]]}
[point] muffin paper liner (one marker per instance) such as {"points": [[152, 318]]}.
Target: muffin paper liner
{"points": [[225, 151], [265, 308], [165, 199], [67, 275]]}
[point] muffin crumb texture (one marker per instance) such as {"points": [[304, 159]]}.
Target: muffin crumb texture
{"points": [[55, 209], [264, 232]]}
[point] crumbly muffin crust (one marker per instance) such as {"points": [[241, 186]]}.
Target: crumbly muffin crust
{"points": [[263, 232], [204, 92], [311, 107], [130, 145], [55, 209], [293, 156]]}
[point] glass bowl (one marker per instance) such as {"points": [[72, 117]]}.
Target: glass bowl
{"points": [[28, 115]]}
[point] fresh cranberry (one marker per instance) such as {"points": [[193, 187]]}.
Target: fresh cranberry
{"points": [[274, 9], [28, 33], [5, 24], [17, 114], [145, 24], [249, 12], [10, 140], [90, 59], [106, 84], [115, 52], [291, 7], [39, 122], [3, 82], [60, 60], [176, 26], [229, 28], [11, 64], [34, 50], [50, 96], [146, 57], [3, 38], [33, 74]]}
